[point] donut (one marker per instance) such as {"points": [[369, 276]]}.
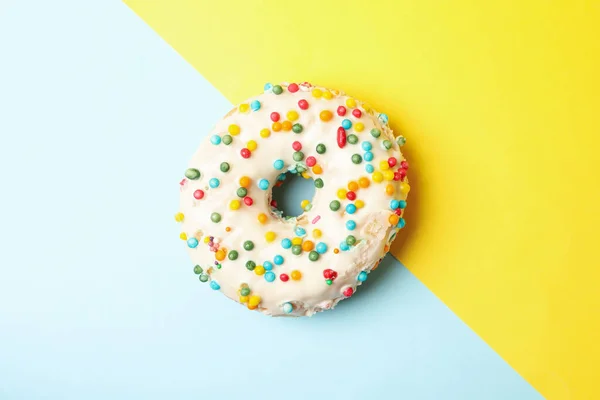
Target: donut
{"points": [[241, 244]]}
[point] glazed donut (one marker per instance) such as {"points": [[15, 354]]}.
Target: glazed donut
{"points": [[243, 245]]}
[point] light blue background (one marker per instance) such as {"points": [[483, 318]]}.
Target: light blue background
{"points": [[98, 118]]}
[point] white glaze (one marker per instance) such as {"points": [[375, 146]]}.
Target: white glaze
{"points": [[373, 230]]}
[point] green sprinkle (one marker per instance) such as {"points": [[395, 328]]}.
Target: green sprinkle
{"points": [[387, 144], [319, 183], [227, 139], [215, 217], [297, 128], [224, 167], [198, 270], [350, 240], [300, 169], [245, 291], [298, 156], [297, 249], [321, 149], [233, 255], [250, 265], [313, 256], [248, 245], [334, 205], [329, 282], [356, 158], [242, 192], [352, 138], [192, 173], [277, 89], [218, 266], [203, 277], [375, 133], [401, 140]]}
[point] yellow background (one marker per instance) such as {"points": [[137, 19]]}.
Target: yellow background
{"points": [[500, 102]]}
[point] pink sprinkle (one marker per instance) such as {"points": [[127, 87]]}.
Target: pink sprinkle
{"points": [[316, 219]]}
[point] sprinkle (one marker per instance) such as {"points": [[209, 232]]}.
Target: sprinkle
{"points": [[344, 246], [350, 225], [220, 255], [234, 205], [375, 133], [198, 194], [348, 292], [215, 139], [402, 204], [270, 236], [401, 223], [346, 124], [366, 146], [393, 219], [255, 105], [292, 115], [244, 108], [359, 127], [286, 126], [203, 277], [404, 164], [215, 217], [297, 128], [192, 243], [214, 183], [297, 241], [250, 265], [286, 243], [383, 165], [350, 208], [233, 130], [263, 184], [183, 236], [321, 248], [298, 156], [308, 245], [284, 277], [317, 170], [179, 217], [227, 139], [362, 276], [303, 104], [304, 203], [278, 164], [356, 158], [227, 229], [389, 189], [351, 195], [293, 88], [278, 260], [341, 194], [254, 301], [352, 138], [192, 173], [268, 87], [233, 255], [276, 126], [259, 270], [321, 149], [350, 102], [329, 274], [296, 249], [377, 177], [214, 285], [251, 145], [353, 186], [386, 144], [313, 256], [224, 167], [198, 270], [383, 118], [314, 221], [356, 113], [401, 140], [297, 146], [341, 111], [287, 308], [327, 95], [369, 168], [316, 93], [368, 156], [341, 137], [245, 291], [296, 275], [311, 161], [248, 201], [334, 205], [300, 231], [269, 276], [245, 182], [319, 183], [265, 133], [394, 204], [325, 115], [350, 240], [336, 251], [277, 89], [245, 153]]}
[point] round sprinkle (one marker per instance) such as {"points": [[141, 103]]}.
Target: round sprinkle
{"points": [[203, 277], [215, 139], [234, 205], [278, 260], [296, 275], [325, 115], [259, 270], [350, 240], [270, 236], [214, 285], [341, 111], [369, 168], [243, 108], [276, 126], [198, 270], [401, 223], [327, 95], [250, 265], [248, 245], [366, 146], [192, 243], [317, 169], [293, 88], [275, 116], [353, 186], [284, 277], [248, 201], [214, 183], [215, 217], [344, 246], [386, 144], [255, 105], [296, 240], [300, 231], [296, 249], [227, 139], [269, 276], [352, 138], [311, 161], [313, 256], [233, 255], [245, 181], [268, 87], [334, 205], [346, 124], [242, 192], [198, 194], [245, 291], [341, 194], [233, 129], [277, 89], [321, 248], [287, 308], [402, 204], [329, 281], [263, 184], [356, 113], [192, 173], [319, 183], [375, 133], [404, 187], [317, 93], [245, 153], [303, 104], [265, 133], [383, 118], [350, 102], [348, 292], [350, 208], [321, 149], [286, 126], [317, 233], [297, 146], [401, 140], [377, 176], [292, 115], [224, 167], [268, 265], [368, 156], [251, 145], [359, 127], [351, 195], [179, 217], [278, 164], [356, 158], [394, 204], [350, 225], [286, 243], [297, 128], [298, 156], [362, 276]]}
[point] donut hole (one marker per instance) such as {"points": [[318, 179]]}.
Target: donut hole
{"points": [[291, 193]]}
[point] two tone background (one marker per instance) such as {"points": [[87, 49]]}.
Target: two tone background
{"points": [[492, 292]]}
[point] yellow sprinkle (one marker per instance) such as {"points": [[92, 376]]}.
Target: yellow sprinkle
{"points": [[292, 115], [327, 95], [388, 175], [179, 217], [359, 203], [317, 170], [265, 133], [359, 127], [262, 218], [296, 275], [317, 93], [254, 300], [317, 233], [270, 236], [296, 240], [243, 299], [350, 102], [259, 270], [305, 175], [366, 107], [244, 108], [183, 236], [341, 194], [304, 203], [234, 129], [206, 239], [251, 145], [404, 187], [389, 189], [377, 176], [234, 205], [383, 165]]}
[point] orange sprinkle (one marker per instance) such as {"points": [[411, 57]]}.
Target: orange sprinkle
{"points": [[220, 255], [353, 186], [326, 115], [393, 219], [296, 275], [286, 126], [336, 250], [389, 189], [317, 170], [245, 182], [227, 229], [276, 126], [364, 182], [308, 245], [386, 248], [262, 218]]}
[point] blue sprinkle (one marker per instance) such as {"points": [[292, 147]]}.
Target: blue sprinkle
{"points": [[278, 260], [263, 184], [350, 225], [401, 223], [268, 87], [362, 276], [300, 231], [366, 146], [346, 124], [287, 308], [344, 246], [214, 285], [350, 208], [268, 265], [321, 248], [394, 204], [215, 139], [269, 276], [286, 243], [383, 118], [293, 170], [214, 183], [192, 243], [281, 177], [368, 156], [255, 105], [278, 164], [369, 168], [402, 203]]}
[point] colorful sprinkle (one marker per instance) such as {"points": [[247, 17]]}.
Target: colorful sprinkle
{"points": [[192, 173], [278, 260], [263, 184], [303, 104], [192, 243], [325, 115], [287, 308], [215, 217], [255, 105], [296, 275], [341, 137], [215, 139], [214, 285]]}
